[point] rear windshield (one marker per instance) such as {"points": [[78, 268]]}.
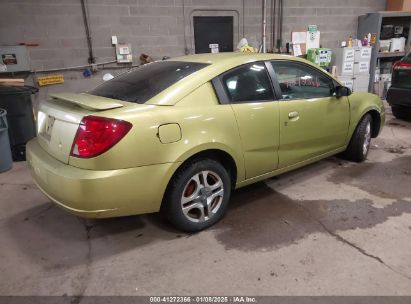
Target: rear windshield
{"points": [[402, 77], [141, 84]]}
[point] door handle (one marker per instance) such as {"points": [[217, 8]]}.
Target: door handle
{"points": [[293, 114]]}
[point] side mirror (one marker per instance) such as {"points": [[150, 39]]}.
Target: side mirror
{"points": [[341, 91]]}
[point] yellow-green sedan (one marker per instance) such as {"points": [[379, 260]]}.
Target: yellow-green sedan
{"points": [[179, 135]]}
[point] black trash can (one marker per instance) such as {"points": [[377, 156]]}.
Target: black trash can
{"points": [[17, 102], [6, 161]]}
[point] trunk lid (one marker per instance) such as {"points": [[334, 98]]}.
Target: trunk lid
{"points": [[60, 116]]}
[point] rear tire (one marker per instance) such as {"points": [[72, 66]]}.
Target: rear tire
{"points": [[360, 141], [198, 195]]}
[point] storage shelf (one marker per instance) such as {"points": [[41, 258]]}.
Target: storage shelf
{"points": [[388, 54], [372, 23]]}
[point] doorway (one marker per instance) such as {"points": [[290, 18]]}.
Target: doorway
{"points": [[213, 30]]}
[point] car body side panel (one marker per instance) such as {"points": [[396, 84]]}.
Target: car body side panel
{"points": [[205, 126], [321, 126], [288, 168], [258, 125]]}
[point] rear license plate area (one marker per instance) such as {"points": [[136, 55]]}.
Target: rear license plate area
{"points": [[49, 126]]}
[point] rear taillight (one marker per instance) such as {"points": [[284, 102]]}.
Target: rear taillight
{"points": [[401, 65], [96, 135]]}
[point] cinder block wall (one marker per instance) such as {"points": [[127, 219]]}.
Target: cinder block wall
{"points": [[155, 27]]}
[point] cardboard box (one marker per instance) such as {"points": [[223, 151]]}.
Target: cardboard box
{"points": [[361, 83], [399, 5], [347, 81]]}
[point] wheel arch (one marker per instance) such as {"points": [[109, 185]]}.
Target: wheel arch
{"points": [[377, 120], [375, 123], [362, 103], [219, 155]]}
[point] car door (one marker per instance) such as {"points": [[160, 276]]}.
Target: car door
{"points": [[313, 121], [248, 91]]}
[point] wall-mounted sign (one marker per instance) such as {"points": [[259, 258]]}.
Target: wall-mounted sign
{"points": [[214, 47], [50, 79], [312, 28]]}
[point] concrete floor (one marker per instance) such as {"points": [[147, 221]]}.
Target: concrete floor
{"points": [[332, 228]]}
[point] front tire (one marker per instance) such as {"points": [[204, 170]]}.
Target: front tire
{"points": [[198, 195], [360, 141]]}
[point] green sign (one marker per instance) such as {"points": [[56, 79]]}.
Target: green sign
{"points": [[312, 28]]}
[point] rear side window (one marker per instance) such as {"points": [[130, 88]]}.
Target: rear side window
{"points": [[141, 84], [248, 83]]}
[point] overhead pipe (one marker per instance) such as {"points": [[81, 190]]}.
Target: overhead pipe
{"points": [[273, 21], [243, 18], [280, 26], [264, 25], [186, 50], [79, 67], [91, 58]]}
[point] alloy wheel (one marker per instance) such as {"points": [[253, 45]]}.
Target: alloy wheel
{"points": [[202, 196], [367, 139]]}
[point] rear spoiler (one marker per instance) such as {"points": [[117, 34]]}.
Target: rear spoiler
{"points": [[89, 102]]}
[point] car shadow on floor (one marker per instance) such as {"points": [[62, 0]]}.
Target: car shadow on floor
{"points": [[55, 239], [399, 123], [258, 217]]}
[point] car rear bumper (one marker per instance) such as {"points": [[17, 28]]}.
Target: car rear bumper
{"points": [[399, 97], [98, 194]]}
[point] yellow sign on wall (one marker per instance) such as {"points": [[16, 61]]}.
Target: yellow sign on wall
{"points": [[50, 79]]}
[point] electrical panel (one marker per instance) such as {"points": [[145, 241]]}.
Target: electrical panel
{"points": [[14, 59], [123, 53]]}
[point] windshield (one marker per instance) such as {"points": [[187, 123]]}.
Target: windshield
{"points": [[141, 84]]}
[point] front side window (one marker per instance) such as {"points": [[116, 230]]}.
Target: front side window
{"points": [[298, 81], [141, 84], [248, 83]]}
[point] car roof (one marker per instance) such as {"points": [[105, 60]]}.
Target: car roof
{"points": [[238, 57]]}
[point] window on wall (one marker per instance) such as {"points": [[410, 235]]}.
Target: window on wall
{"points": [[248, 83], [299, 81]]}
